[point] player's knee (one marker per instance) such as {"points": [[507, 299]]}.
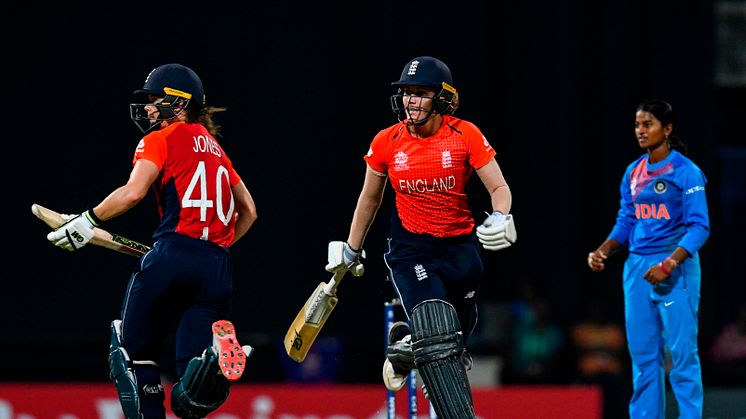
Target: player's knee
{"points": [[436, 332]]}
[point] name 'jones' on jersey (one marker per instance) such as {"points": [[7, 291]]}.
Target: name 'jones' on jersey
{"points": [[203, 144]]}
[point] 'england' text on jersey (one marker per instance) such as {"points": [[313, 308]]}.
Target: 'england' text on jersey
{"points": [[426, 185], [203, 144]]}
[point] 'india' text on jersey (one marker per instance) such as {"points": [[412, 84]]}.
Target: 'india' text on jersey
{"points": [[663, 206]]}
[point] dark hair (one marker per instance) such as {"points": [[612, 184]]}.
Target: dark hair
{"points": [[663, 111], [203, 115]]}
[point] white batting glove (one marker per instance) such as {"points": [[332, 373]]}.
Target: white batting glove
{"points": [[497, 232], [75, 233], [343, 257]]}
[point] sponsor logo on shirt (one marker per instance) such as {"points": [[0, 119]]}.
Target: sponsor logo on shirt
{"points": [[646, 211], [487, 145], [694, 189]]}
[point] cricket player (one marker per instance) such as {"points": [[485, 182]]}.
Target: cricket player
{"points": [[433, 254], [186, 279], [663, 221]]}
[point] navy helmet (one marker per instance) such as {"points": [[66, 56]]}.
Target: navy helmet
{"points": [[176, 80], [178, 85], [427, 72]]}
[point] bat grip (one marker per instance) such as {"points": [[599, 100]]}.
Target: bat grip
{"points": [[331, 287]]}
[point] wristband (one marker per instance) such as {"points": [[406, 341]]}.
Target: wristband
{"points": [[675, 262], [664, 269], [93, 218]]}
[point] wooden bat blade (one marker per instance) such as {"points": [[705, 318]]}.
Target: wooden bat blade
{"points": [[308, 323], [100, 237]]}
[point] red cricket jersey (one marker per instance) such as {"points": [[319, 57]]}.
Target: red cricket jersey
{"points": [[429, 175], [193, 190]]}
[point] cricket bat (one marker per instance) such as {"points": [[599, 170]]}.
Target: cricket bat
{"points": [[101, 237], [311, 318]]}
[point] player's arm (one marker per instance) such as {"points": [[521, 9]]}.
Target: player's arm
{"points": [[497, 231], [245, 210], [122, 199], [493, 179], [367, 206], [78, 230]]}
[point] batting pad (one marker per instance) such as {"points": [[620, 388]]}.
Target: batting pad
{"points": [[438, 346]]}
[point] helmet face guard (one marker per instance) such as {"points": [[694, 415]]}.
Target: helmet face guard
{"points": [[445, 102], [178, 85], [426, 72], [166, 110]]}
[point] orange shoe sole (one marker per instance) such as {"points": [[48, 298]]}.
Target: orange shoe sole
{"points": [[231, 356]]}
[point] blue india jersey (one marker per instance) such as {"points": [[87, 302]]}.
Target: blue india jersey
{"points": [[663, 206]]}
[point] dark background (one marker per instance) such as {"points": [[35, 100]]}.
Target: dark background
{"points": [[553, 86]]}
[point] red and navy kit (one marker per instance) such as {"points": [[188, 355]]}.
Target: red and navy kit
{"points": [[193, 190], [187, 277], [433, 253], [429, 175]]}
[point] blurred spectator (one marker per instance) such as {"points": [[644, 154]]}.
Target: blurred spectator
{"points": [[728, 352], [599, 349], [536, 344]]}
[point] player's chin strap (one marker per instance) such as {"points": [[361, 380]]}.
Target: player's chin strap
{"points": [[122, 373], [419, 121]]}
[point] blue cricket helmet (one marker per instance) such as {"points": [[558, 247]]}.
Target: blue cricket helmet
{"points": [[427, 72], [174, 80]]}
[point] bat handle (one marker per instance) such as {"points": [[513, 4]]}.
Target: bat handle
{"points": [[331, 287]]}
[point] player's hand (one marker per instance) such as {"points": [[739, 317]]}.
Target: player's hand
{"points": [[497, 231], [661, 271], [596, 260], [75, 233], [342, 257]]}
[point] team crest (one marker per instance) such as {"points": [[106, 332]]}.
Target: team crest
{"points": [[660, 186], [413, 68], [445, 158]]}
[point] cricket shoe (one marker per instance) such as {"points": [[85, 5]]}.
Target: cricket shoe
{"points": [[399, 357], [231, 355]]}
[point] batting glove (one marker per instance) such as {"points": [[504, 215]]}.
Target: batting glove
{"points": [[343, 257], [76, 232], [497, 232]]}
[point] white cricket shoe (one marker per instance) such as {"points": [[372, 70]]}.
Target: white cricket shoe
{"points": [[391, 379]]}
